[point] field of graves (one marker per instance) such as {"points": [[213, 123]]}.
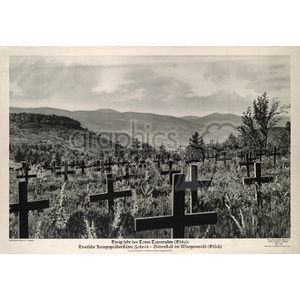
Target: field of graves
{"points": [[230, 194]]}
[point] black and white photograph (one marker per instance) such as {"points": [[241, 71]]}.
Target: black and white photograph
{"points": [[150, 152]]}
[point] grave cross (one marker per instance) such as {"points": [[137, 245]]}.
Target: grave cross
{"points": [[26, 175], [224, 159], [53, 168], [120, 163], [260, 154], [170, 172], [83, 167], [127, 176], [24, 164], [258, 180], [65, 172], [216, 157], [252, 159], [109, 164], [97, 165], [247, 163], [110, 195], [194, 184], [274, 154], [178, 220], [23, 207], [158, 161], [242, 156]]}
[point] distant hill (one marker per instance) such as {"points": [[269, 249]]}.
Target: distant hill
{"points": [[201, 121], [40, 133], [25, 118], [109, 121]]}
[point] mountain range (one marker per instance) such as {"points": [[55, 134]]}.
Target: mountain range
{"points": [[152, 128]]}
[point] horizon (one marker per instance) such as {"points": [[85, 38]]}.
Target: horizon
{"points": [[48, 107], [166, 85]]}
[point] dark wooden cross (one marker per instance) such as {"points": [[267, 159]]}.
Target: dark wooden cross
{"points": [[260, 154], [224, 158], [242, 156], [158, 161], [23, 207], [216, 157], [127, 176], [83, 167], [274, 154], [24, 164], [26, 175], [65, 172], [252, 159], [247, 163], [194, 184], [121, 163], [53, 168], [109, 164], [170, 172], [97, 165], [110, 195], [178, 220], [258, 180]]}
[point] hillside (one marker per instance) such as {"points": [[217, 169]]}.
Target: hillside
{"points": [[42, 137], [201, 121], [109, 121]]}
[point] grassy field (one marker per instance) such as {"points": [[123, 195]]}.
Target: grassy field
{"points": [[71, 215]]}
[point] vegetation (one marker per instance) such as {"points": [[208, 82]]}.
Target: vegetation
{"points": [[44, 119], [258, 123], [71, 215]]}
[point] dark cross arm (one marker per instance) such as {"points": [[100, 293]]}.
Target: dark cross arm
{"points": [[28, 176], [199, 184], [254, 180], [152, 223], [164, 172], [126, 193], [98, 197], [28, 206], [105, 196], [200, 219]]}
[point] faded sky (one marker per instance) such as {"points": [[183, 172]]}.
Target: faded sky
{"points": [[173, 85]]}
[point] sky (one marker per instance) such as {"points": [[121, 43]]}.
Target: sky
{"points": [[169, 85]]}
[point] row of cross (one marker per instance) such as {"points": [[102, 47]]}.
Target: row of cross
{"points": [[246, 160], [177, 221]]}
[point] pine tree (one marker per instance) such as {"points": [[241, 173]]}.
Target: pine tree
{"points": [[197, 144]]}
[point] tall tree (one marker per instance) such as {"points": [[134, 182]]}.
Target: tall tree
{"points": [[257, 125], [196, 143]]}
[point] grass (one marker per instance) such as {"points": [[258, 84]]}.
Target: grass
{"points": [[72, 216]]}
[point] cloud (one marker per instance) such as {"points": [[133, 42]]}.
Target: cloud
{"points": [[171, 85]]}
